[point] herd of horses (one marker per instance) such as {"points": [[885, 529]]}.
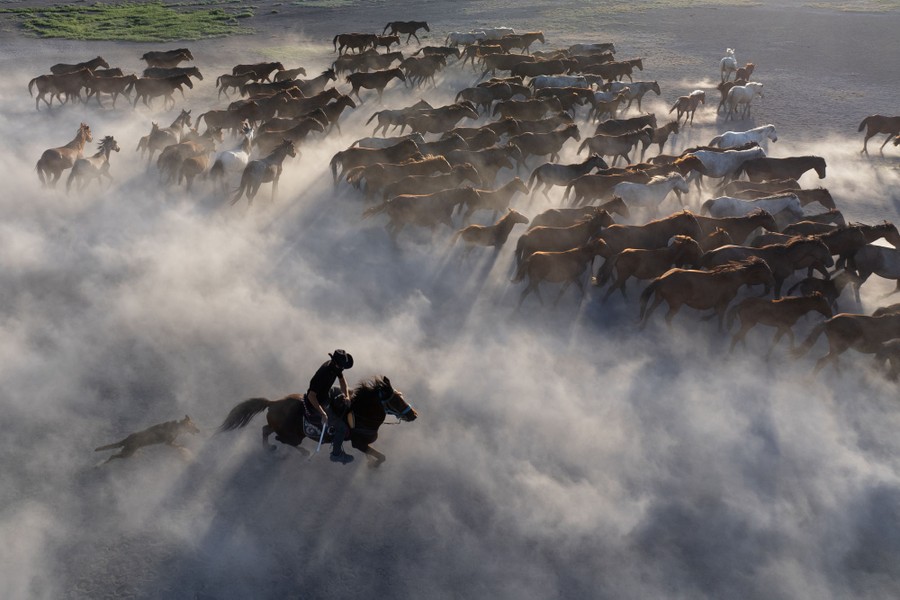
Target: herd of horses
{"points": [[755, 227]]}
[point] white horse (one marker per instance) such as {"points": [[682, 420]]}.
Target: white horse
{"points": [[733, 139], [878, 260], [652, 194], [742, 94], [495, 33], [724, 164], [556, 81], [728, 64], [235, 160], [456, 38], [726, 206]]}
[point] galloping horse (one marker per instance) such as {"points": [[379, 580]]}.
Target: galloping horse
{"points": [[264, 170], [56, 160], [875, 124], [702, 290], [93, 167], [370, 402], [781, 314], [408, 27], [687, 105]]}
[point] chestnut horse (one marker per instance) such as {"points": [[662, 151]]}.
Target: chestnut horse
{"points": [[370, 402], [875, 124], [781, 314], [844, 331], [702, 290], [56, 160]]}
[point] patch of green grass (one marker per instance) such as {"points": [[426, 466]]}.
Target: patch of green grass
{"points": [[326, 3], [134, 22]]}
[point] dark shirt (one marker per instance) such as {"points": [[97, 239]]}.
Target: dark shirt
{"points": [[322, 382]]}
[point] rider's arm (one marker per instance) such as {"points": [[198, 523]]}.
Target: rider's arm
{"points": [[343, 383], [311, 396]]}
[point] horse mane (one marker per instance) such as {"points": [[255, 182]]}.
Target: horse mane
{"points": [[738, 265]]}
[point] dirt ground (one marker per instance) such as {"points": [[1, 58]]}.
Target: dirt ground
{"points": [[559, 454]]}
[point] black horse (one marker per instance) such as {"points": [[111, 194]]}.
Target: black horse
{"points": [[370, 402]]}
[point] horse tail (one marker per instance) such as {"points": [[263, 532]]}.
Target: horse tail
{"points": [[730, 317], [794, 287], [241, 414], [33, 81], [371, 212], [534, 175], [521, 270], [646, 295], [674, 106], [219, 81], [217, 170], [40, 171], [861, 125], [606, 270], [704, 208], [715, 141], [334, 41], [374, 114], [813, 336], [333, 164], [118, 444], [568, 189]]}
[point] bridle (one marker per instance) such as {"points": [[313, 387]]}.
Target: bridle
{"points": [[385, 400]]}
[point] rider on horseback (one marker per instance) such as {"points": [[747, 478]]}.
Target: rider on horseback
{"points": [[319, 393]]}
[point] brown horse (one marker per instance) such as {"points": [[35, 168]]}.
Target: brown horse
{"points": [[264, 170], [620, 126], [687, 105], [361, 157], [875, 124], [783, 259], [68, 84], [56, 160], [148, 88], [114, 86], [380, 175], [490, 235], [703, 290], [649, 263], [93, 64], [408, 27], [423, 210], [370, 402], [496, 200], [167, 58], [521, 41], [558, 267], [550, 174], [558, 239], [259, 71], [762, 169], [566, 217], [93, 167], [543, 144], [830, 288], [617, 145], [845, 331], [353, 41], [159, 137], [661, 136], [376, 80], [782, 314], [655, 234], [427, 184], [527, 109]]}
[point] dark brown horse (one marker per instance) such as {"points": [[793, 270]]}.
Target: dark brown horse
{"points": [[147, 88], [370, 403], [167, 58], [792, 167], [376, 80], [408, 27], [93, 64], [781, 314]]}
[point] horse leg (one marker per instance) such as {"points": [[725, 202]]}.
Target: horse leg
{"points": [[889, 137], [374, 457], [656, 302], [865, 150], [673, 310], [740, 335]]}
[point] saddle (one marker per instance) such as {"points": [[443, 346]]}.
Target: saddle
{"points": [[312, 420]]}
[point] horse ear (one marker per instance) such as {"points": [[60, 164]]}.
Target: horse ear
{"points": [[387, 382]]}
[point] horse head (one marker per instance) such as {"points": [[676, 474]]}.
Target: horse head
{"points": [[188, 425], [819, 166], [391, 400], [516, 217], [84, 131]]}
